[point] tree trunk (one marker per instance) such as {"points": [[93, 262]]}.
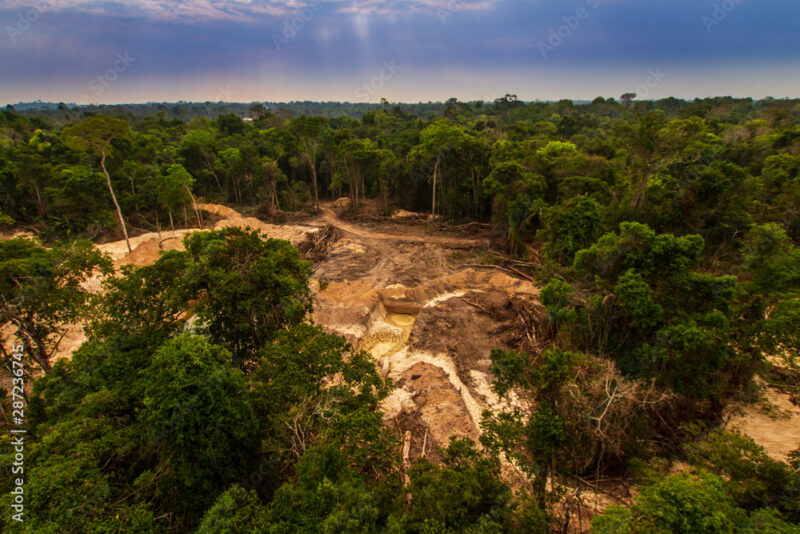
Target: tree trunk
{"points": [[210, 167], [34, 347], [435, 172], [40, 204], [639, 194], [406, 456], [476, 184], [311, 163], [194, 205], [114, 198]]}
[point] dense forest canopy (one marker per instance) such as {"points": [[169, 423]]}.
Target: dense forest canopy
{"points": [[665, 236]]}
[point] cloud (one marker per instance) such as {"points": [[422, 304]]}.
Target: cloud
{"points": [[243, 10], [177, 10]]}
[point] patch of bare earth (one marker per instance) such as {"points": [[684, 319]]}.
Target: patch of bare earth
{"points": [[774, 423]]}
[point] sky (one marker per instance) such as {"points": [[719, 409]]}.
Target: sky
{"points": [[104, 51]]}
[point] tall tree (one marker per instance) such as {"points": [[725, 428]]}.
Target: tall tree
{"points": [[175, 191], [96, 135], [435, 141], [309, 130]]}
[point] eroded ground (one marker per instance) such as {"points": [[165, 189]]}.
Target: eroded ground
{"points": [[429, 323]]}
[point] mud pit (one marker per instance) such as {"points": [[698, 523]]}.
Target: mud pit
{"points": [[429, 325]]}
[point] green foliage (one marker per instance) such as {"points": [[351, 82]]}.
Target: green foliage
{"points": [[237, 510], [750, 476], [464, 494], [687, 503], [669, 231], [570, 228], [42, 292], [534, 440], [661, 256], [772, 259], [175, 189], [78, 201], [555, 297], [153, 424], [643, 305], [681, 503], [149, 299], [636, 297], [328, 497], [247, 288], [295, 401], [96, 133], [517, 197], [768, 301], [199, 419]]}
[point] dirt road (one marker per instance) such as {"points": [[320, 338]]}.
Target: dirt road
{"points": [[328, 216]]}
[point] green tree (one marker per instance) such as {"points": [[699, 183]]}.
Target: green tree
{"points": [[43, 292], [437, 141], [309, 130], [200, 422], [96, 135], [517, 200], [175, 191], [687, 503], [237, 510], [247, 288], [570, 228], [751, 477], [465, 490]]}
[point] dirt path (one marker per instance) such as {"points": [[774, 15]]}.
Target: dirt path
{"points": [[328, 216]]}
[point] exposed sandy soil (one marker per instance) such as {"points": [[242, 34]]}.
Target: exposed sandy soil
{"points": [[774, 424], [429, 325]]}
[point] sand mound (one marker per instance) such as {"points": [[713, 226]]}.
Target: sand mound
{"points": [[147, 247], [217, 209], [118, 250], [148, 251]]}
